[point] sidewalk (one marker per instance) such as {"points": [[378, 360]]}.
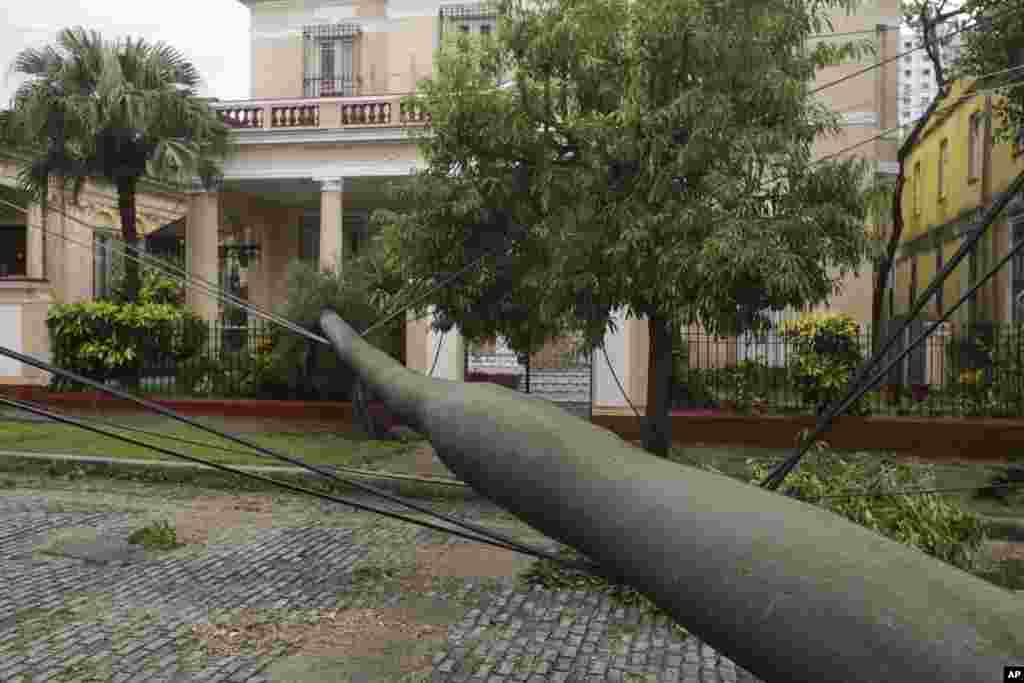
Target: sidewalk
{"points": [[289, 590], [193, 473]]}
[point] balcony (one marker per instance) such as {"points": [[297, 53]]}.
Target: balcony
{"points": [[313, 113]]}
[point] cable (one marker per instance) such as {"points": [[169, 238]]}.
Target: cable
{"points": [[890, 59], [225, 449], [232, 437], [226, 297], [174, 272], [437, 353], [858, 386], [616, 378], [909, 124], [516, 547], [915, 492]]}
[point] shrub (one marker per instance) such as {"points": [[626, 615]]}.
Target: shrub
{"points": [[938, 526], [744, 384], [826, 356], [104, 340], [155, 287], [159, 535], [690, 386], [280, 370]]}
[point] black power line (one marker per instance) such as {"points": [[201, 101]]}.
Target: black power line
{"points": [[859, 386], [505, 541]]}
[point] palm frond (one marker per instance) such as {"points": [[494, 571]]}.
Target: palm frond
{"points": [[126, 107]]}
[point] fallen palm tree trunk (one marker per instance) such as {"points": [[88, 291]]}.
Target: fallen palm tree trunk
{"points": [[791, 592]]}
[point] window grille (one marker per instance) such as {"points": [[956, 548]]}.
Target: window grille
{"points": [[477, 18], [330, 60]]}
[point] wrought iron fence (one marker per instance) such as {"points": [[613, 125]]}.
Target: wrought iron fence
{"points": [[960, 370], [556, 373], [225, 366]]}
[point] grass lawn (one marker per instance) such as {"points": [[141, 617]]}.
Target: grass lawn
{"points": [[315, 443]]}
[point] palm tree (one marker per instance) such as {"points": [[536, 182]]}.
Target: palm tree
{"points": [[114, 111]]}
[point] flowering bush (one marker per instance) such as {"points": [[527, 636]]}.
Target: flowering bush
{"points": [[827, 354]]}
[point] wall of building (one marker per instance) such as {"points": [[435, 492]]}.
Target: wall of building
{"points": [[935, 225], [393, 49]]}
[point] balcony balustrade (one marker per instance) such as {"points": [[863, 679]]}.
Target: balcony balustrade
{"points": [[318, 112]]}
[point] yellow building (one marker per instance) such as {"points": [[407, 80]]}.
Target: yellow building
{"points": [[953, 174]]}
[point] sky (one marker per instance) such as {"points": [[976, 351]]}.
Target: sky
{"points": [[213, 34]]}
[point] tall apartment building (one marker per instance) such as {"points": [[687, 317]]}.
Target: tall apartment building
{"points": [[917, 85]]}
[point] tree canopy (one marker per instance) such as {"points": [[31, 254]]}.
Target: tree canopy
{"points": [[116, 111], [655, 156]]}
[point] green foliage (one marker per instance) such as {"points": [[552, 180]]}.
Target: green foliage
{"points": [[159, 535], [986, 52], [936, 525], [826, 355], [156, 287], [278, 367], [610, 84], [553, 576], [103, 340], [113, 111]]}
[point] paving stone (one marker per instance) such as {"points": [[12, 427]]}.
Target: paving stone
{"points": [[295, 568]]}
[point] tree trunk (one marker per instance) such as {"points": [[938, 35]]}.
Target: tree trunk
{"points": [[657, 436], [126, 207]]}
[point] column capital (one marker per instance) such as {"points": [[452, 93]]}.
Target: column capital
{"points": [[331, 184]]}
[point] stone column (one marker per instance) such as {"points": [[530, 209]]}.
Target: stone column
{"points": [[331, 239], [78, 251], [627, 353], [34, 242], [201, 226]]}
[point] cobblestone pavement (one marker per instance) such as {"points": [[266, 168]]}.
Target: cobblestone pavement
{"points": [[64, 619]]}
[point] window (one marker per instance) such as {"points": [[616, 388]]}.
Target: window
{"points": [[908, 45], [309, 237], [907, 73], [908, 59], [924, 99], [330, 69], [974, 147], [925, 73], [472, 19], [917, 189], [906, 89], [906, 101], [943, 164], [12, 251]]}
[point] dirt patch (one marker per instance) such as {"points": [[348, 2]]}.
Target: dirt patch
{"points": [[463, 561], [1001, 551], [215, 513], [355, 632]]}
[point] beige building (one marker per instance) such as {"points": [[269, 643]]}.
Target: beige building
{"points": [[868, 106], [324, 133]]}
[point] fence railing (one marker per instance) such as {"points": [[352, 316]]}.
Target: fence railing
{"points": [[960, 370], [224, 366]]}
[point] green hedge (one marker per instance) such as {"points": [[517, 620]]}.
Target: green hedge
{"points": [[104, 341]]}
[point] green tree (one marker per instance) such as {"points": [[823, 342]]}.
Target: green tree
{"points": [[115, 111], [656, 154]]}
